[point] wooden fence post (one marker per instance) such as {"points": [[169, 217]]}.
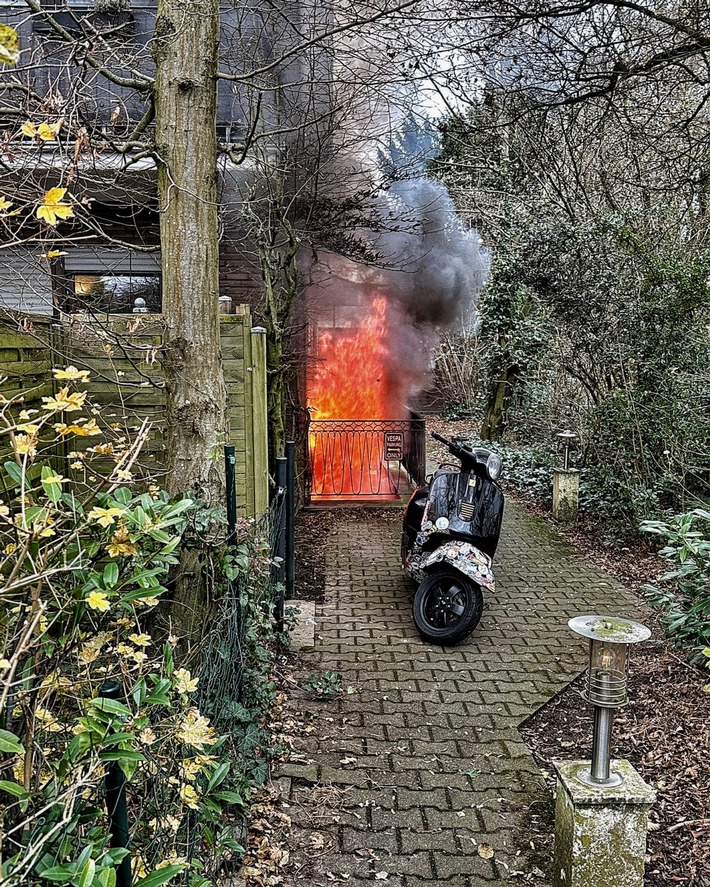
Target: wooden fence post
{"points": [[260, 441]]}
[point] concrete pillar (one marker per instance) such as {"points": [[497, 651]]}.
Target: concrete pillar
{"points": [[600, 831], [565, 494]]}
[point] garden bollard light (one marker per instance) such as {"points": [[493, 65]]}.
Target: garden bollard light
{"points": [[601, 817], [567, 437], [115, 783], [607, 678], [565, 484]]}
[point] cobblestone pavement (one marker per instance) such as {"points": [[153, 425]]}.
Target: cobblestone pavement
{"points": [[400, 781]]}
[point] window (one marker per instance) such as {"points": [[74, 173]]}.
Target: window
{"points": [[116, 293]]}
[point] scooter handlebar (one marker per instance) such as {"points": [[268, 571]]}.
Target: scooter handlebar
{"points": [[454, 448]]}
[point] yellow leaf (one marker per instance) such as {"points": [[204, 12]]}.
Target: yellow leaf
{"points": [[9, 45], [65, 401], [5, 208], [97, 600], [48, 131], [28, 129], [54, 479], [71, 372], [89, 428], [53, 254], [105, 516], [52, 208]]}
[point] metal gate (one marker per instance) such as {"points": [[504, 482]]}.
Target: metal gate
{"points": [[374, 459]]}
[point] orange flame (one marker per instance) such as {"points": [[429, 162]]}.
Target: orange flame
{"points": [[350, 382]]}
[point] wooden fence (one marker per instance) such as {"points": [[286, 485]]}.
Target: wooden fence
{"points": [[123, 355]]}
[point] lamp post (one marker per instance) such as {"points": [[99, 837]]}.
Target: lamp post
{"points": [[565, 484], [607, 678], [567, 438]]}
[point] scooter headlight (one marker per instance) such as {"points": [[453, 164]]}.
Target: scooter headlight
{"points": [[494, 466]]}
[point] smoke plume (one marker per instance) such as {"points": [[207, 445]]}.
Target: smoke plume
{"points": [[420, 256]]}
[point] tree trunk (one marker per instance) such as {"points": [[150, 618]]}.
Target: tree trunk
{"points": [[496, 417], [186, 51]]}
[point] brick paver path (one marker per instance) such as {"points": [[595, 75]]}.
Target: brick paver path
{"points": [[402, 780]]}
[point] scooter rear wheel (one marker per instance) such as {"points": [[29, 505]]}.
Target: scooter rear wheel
{"points": [[447, 607]]}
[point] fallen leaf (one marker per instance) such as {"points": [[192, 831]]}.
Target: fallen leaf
{"points": [[485, 851]]}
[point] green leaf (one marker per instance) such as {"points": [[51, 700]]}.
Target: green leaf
{"points": [[110, 575], [87, 874], [80, 744], [139, 692], [111, 706], [123, 496], [218, 776], [12, 788], [161, 876], [59, 873], [122, 755], [229, 798], [53, 491], [115, 738], [10, 743], [106, 877], [116, 854], [168, 660], [157, 697], [13, 469], [178, 508], [84, 857]]}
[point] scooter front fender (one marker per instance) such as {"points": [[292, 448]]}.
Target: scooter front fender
{"points": [[465, 558]]}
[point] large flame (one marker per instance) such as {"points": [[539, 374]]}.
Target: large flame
{"points": [[349, 382]]}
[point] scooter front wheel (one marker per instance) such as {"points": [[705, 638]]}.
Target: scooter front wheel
{"points": [[447, 607]]}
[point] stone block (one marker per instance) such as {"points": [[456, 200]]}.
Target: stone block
{"points": [[304, 624], [600, 831], [565, 495]]}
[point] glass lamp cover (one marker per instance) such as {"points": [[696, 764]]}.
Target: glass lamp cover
{"points": [[607, 673]]}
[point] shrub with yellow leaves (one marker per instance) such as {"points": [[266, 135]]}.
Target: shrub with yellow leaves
{"points": [[85, 557]]}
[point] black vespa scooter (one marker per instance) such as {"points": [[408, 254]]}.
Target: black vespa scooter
{"points": [[450, 534]]}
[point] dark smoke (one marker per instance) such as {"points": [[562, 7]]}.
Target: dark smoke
{"points": [[433, 265], [427, 264]]}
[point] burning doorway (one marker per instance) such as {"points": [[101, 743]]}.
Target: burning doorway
{"points": [[363, 442], [373, 327]]}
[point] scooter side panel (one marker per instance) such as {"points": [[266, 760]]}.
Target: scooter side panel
{"points": [[462, 556]]}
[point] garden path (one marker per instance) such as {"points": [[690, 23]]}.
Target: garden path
{"points": [[419, 774]]}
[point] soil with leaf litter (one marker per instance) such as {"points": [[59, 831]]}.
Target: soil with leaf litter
{"points": [[664, 732]]}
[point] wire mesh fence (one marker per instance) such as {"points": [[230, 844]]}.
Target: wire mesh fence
{"points": [[225, 653]]}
